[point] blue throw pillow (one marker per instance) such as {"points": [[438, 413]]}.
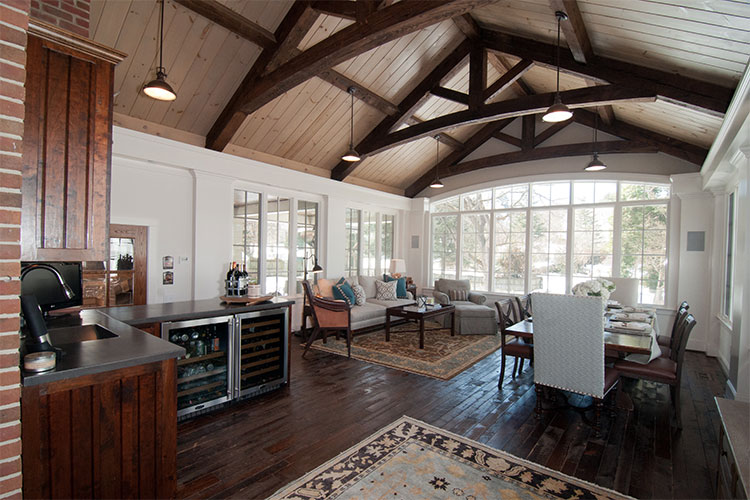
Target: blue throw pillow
{"points": [[343, 291], [400, 286]]}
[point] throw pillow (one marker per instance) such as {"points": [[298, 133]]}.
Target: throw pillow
{"points": [[325, 287], [458, 294], [400, 287], [343, 291], [386, 290], [359, 294]]}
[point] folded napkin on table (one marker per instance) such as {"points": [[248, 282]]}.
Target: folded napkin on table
{"points": [[631, 309], [632, 327], [632, 316]]}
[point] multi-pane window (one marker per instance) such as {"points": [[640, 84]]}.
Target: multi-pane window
{"points": [[369, 243], [729, 262], [548, 236], [444, 245], [277, 245], [307, 239], [386, 241], [246, 220], [351, 266]]}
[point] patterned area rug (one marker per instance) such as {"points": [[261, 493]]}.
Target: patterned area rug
{"points": [[443, 356], [410, 459]]}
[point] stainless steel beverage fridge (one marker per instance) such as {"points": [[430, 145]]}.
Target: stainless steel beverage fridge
{"points": [[261, 363], [205, 373]]}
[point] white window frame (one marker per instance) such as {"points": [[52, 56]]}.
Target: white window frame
{"points": [[727, 289], [378, 215]]}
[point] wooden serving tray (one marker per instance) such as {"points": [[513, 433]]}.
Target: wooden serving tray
{"points": [[245, 300]]}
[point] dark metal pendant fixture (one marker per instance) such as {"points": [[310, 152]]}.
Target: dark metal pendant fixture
{"points": [[437, 183], [558, 112], [159, 88], [595, 164], [352, 154]]}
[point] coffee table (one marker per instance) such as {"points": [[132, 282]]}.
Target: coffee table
{"points": [[419, 314]]}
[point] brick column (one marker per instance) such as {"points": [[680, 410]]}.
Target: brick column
{"points": [[15, 17], [71, 15]]}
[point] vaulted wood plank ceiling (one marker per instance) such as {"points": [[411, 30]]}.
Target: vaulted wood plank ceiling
{"points": [[662, 74]]}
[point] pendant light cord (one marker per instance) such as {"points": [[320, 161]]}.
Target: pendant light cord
{"points": [[161, 36], [596, 125], [351, 121], [558, 54], [437, 156]]}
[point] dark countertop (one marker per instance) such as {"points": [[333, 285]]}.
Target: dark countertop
{"points": [[190, 309], [131, 347]]}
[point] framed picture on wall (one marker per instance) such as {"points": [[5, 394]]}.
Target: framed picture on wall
{"points": [[167, 278], [167, 262]]}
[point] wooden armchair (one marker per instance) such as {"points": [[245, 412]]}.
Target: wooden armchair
{"points": [[328, 315]]}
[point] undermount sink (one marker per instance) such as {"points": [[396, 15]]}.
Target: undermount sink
{"points": [[75, 334]]}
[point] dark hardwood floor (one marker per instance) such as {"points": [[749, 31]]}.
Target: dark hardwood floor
{"points": [[254, 447]]}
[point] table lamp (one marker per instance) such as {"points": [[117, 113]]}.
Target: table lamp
{"points": [[398, 267]]}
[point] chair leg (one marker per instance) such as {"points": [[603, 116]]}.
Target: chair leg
{"points": [[677, 412], [520, 366], [313, 336], [598, 417], [538, 410], [502, 372], [515, 365], [349, 342]]}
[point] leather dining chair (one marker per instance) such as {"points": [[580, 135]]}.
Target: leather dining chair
{"points": [[668, 342], [517, 348], [569, 349], [664, 370], [328, 315]]}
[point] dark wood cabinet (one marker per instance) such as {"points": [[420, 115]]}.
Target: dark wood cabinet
{"points": [[108, 435], [67, 146]]}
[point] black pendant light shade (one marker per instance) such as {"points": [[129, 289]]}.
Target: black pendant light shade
{"points": [[351, 154], [159, 88], [595, 164], [558, 112], [437, 183]]}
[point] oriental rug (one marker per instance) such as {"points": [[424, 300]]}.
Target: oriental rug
{"points": [[443, 356], [411, 459]]}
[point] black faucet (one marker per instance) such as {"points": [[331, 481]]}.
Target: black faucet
{"points": [[69, 294]]}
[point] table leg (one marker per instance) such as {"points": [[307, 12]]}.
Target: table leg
{"points": [[387, 327], [453, 324], [421, 333]]}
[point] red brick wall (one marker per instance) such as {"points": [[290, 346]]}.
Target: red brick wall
{"points": [[15, 17], [72, 15]]}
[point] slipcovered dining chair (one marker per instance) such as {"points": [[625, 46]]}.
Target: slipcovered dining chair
{"points": [[569, 349], [328, 315], [664, 370], [626, 290], [517, 348]]}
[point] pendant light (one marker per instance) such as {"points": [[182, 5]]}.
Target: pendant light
{"points": [[558, 112], [437, 183], [159, 89], [352, 154], [595, 164]]}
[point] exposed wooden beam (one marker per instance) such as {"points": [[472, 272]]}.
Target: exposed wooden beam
{"points": [[363, 94], [607, 114], [468, 27], [472, 144], [667, 145], [508, 78], [695, 94], [574, 30], [290, 32], [336, 8], [508, 139], [364, 8], [579, 149], [451, 95], [502, 66], [477, 75], [231, 20], [381, 27], [525, 105], [528, 131], [444, 137], [551, 130], [412, 101]]}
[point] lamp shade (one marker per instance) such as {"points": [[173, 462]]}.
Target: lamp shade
{"points": [[351, 155], [316, 268], [398, 266], [558, 112], [437, 184], [595, 164], [159, 88]]}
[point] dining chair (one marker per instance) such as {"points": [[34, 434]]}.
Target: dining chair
{"points": [[523, 304], [328, 315], [569, 349], [626, 290], [669, 341], [664, 370], [517, 348]]}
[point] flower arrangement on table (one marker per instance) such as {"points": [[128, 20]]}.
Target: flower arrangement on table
{"points": [[597, 287]]}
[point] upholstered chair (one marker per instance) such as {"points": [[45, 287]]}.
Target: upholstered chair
{"points": [[569, 349], [626, 290], [471, 316], [328, 315]]}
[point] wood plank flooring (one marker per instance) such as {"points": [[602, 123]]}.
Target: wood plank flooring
{"points": [[254, 447]]}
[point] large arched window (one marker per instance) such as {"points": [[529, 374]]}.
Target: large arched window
{"points": [[548, 236]]}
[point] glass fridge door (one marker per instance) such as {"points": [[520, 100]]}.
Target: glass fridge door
{"points": [[262, 351], [204, 374]]}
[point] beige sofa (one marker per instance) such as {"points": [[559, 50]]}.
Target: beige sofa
{"points": [[372, 313]]}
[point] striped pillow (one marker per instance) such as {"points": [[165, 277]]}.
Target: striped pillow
{"points": [[458, 294]]}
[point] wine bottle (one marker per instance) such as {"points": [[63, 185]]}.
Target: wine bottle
{"points": [[244, 271], [231, 271]]}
